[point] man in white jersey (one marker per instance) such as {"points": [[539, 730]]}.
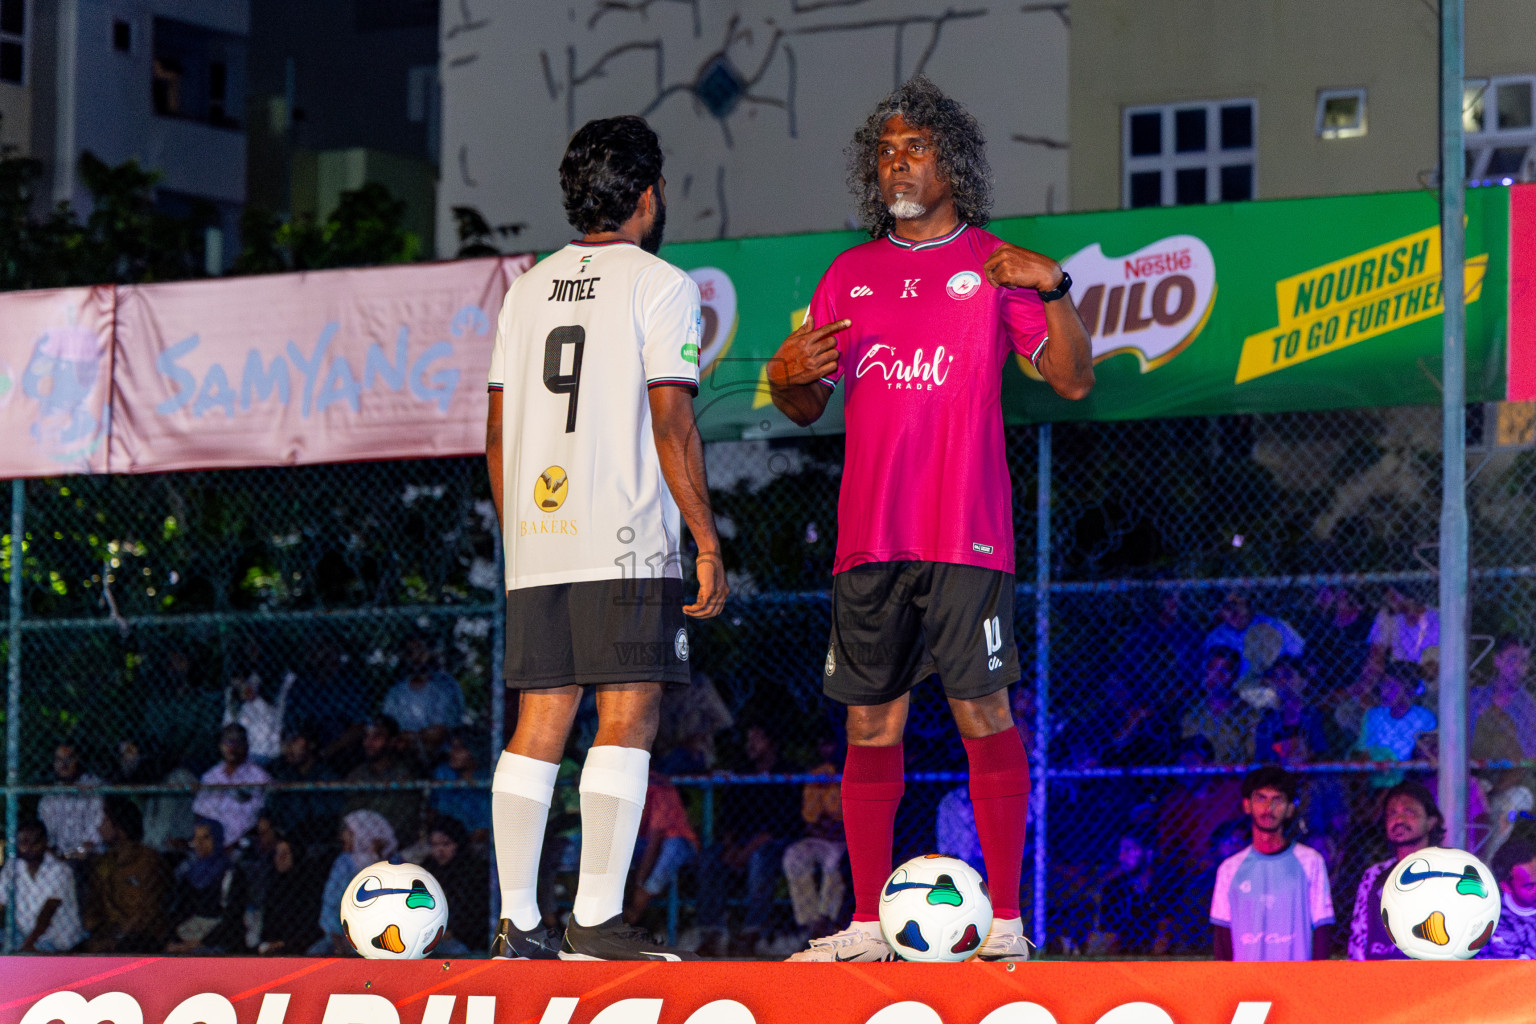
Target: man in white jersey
{"points": [[593, 376]]}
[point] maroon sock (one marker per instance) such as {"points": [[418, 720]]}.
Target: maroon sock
{"points": [[1000, 794], [873, 780]]}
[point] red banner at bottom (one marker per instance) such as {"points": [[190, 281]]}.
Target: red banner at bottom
{"points": [[154, 990]]}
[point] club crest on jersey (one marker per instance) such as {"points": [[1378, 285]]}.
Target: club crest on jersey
{"points": [[831, 660], [964, 284], [550, 489], [680, 645]]}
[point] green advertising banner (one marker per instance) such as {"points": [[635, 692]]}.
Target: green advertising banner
{"points": [[1195, 310]]}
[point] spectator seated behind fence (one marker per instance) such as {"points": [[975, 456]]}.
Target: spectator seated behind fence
{"points": [[330, 699], [366, 837], [1163, 646], [261, 717], [1503, 717], [469, 807], [1338, 640], [1411, 820], [386, 762], [1394, 729], [691, 716], [208, 897], [818, 907], [1189, 902], [1225, 720], [1514, 866], [237, 809], [288, 926], [754, 825], [1271, 900], [125, 900], [71, 817], [427, 701], [1406, 629], [306, 818], [954, 828], [1294, 714], [466, 880], [47, 909], [1133, 917], [1257, 638], [667, 843], [1189, 814]]}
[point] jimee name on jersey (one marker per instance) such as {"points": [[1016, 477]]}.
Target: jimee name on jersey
{"points": [[323, 378]]}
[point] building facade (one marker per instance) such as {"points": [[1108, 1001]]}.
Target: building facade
{"points": [[1182, 101], [755, 103], [162, 82]]}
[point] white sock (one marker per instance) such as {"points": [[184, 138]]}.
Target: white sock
{"points": [[613, 783], [521, 791]]}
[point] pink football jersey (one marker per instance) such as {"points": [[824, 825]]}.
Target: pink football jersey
{"points": [[925, 475]]}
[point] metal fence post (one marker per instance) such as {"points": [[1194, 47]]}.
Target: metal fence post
{"points": [[13, 699], [1038, 801], [1453, 498], [498, 706]]}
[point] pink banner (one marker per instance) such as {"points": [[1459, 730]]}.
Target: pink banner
{"points": [[333, 366], [1522, 293], [55, 379]]}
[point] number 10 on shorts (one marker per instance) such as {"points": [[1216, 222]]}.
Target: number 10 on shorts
{"points": [[994, 631]]}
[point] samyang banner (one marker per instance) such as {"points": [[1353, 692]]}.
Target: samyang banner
{"points": [[331, 366], [1194, 310], [152, 990]]}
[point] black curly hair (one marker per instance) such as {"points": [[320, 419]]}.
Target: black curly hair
{"points": [[961, 145], [608, 165]]}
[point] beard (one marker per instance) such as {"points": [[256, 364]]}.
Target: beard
{"points": [[651, 241], [906, 209]]}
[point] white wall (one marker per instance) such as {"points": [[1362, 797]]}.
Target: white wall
{"points": [[519, 76]]}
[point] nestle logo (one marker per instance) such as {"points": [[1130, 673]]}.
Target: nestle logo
{"points": [[1157, 264]]}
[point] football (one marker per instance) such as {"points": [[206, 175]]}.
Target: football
{"points": [[394, 912], [1440, 904], [935, 909]]}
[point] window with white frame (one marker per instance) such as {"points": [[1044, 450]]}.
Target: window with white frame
{"points": [[1496, 115], [13, 41], [1340, 113], [1178, 154]]}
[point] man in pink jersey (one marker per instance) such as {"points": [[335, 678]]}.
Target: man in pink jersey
{"points": [[917, 326]]}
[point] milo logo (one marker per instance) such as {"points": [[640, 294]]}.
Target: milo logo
{"points": [[1151, 302]]}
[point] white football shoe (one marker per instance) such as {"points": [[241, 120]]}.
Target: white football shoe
{"points": [[1005, 942], [861, 942]]}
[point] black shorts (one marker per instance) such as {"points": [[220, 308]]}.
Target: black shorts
{"points": [[896, 623], [601, 631]]}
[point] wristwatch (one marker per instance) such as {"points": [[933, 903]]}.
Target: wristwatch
{"points": [[1059, 290]]}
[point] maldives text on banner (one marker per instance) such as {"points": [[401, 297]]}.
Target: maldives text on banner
{"points": [[334, 366], [95, 990]]}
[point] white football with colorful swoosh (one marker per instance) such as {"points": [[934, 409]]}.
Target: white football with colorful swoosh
{"points": [[1440, 904], [394, 912]]}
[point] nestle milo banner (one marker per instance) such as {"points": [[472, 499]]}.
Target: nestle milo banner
{"points": [[1196, 310]]}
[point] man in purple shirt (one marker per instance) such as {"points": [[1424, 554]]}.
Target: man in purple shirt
{"points": [[916, 326]]}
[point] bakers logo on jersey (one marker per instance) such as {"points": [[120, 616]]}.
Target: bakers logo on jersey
{"points": [[550, 489]]}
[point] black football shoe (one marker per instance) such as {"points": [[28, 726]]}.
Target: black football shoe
{"points": [[512, 943], [615, 940]]}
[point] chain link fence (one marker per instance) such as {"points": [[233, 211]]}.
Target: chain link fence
{"points": [[1202, 596]]}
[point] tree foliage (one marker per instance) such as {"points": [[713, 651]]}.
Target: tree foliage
{"points": [[127, 238]]}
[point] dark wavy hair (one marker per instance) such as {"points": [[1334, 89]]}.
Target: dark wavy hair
{"points": [[1420, 793], [607, 167], [962, 150]]}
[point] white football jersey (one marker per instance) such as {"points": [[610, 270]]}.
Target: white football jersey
{"points": [[581, 339]]}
